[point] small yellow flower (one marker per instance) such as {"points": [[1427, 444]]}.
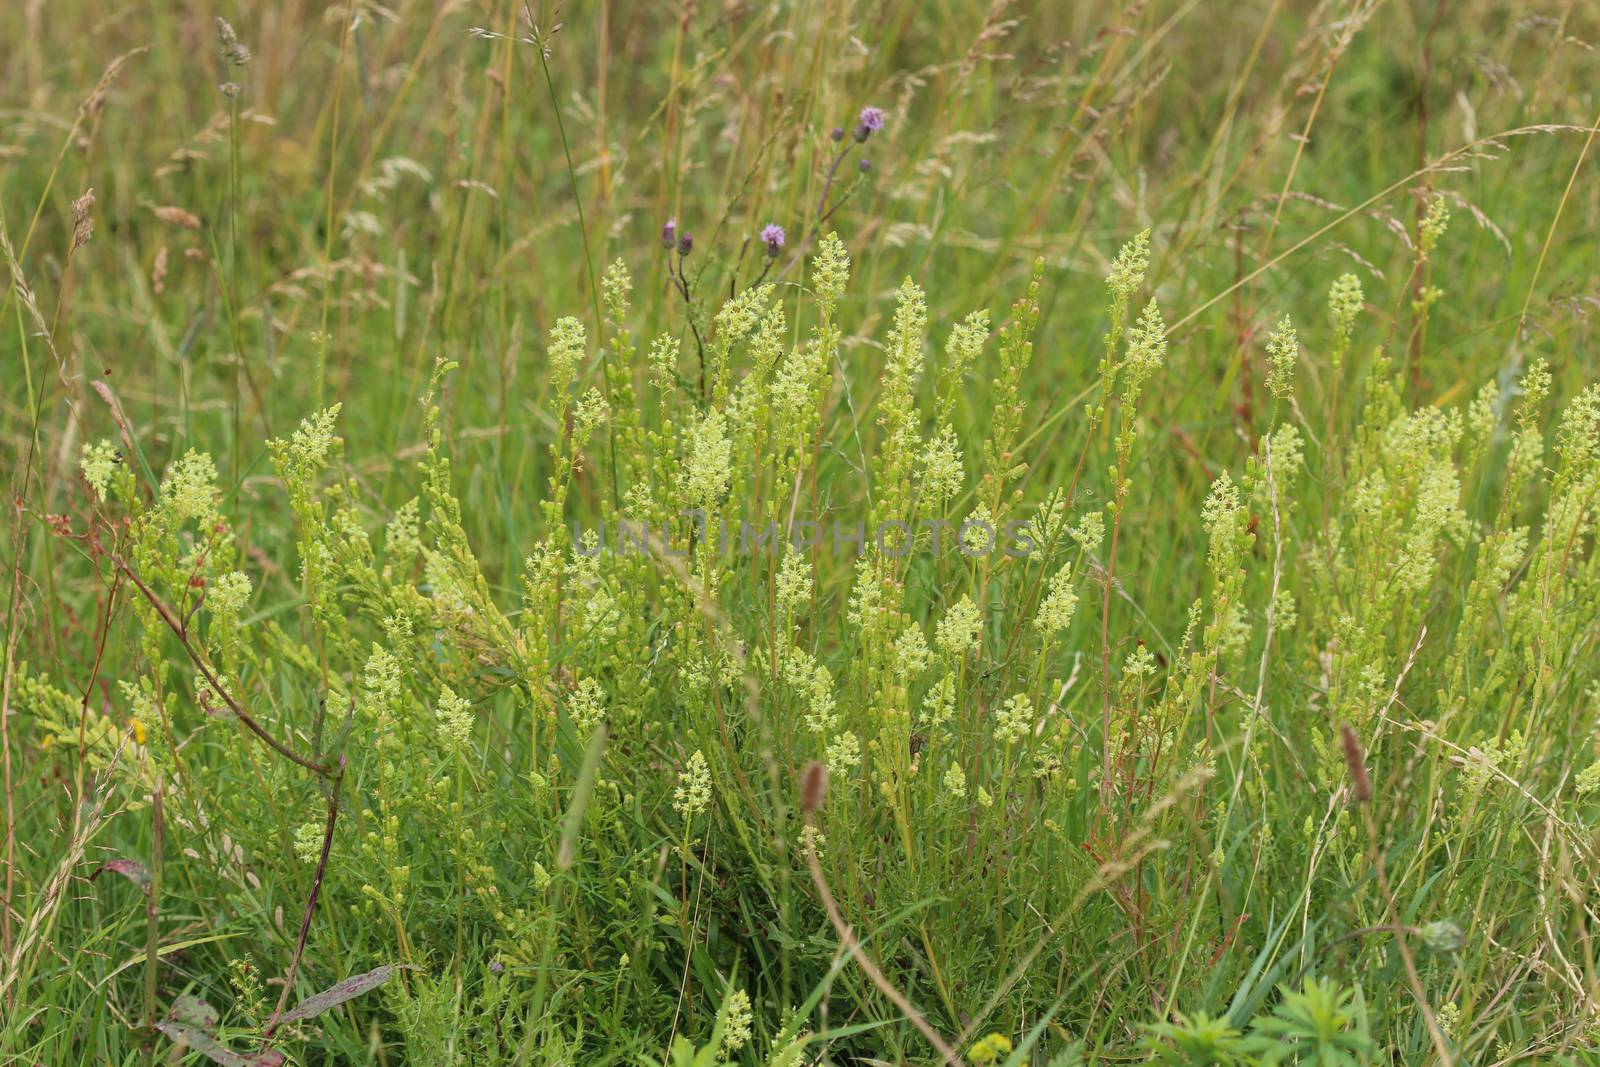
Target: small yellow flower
{"points": [[138, 730], [989, 1049]]}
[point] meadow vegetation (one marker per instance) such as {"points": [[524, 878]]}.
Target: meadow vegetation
{"points": [[800, 533]]}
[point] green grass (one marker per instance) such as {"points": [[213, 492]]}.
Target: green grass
{"points": [[1302, 771]]}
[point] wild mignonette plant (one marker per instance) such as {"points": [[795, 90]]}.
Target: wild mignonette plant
{"points": [[710, 534], [554, 813]]}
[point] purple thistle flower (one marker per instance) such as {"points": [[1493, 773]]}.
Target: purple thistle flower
{"points": [[869, 122], [865, 165], [669, 233], [686, 244], [772, 236]]}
